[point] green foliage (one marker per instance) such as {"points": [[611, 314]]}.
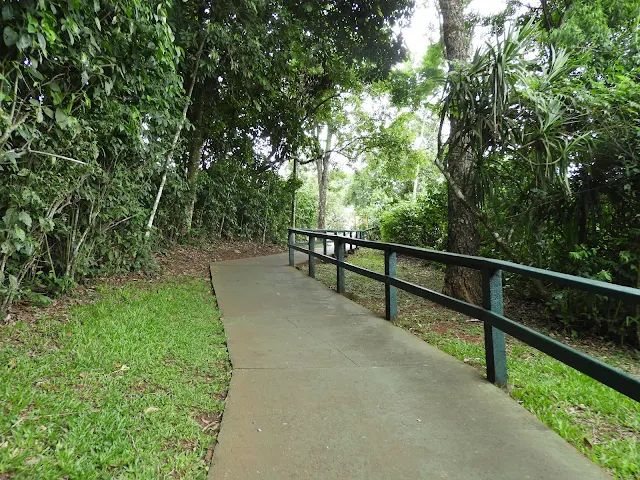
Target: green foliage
{"points": [[421, 222], [395, 168], [412, 86], [118, 389], [549, 111], [307, 200], [572, 204], [84, 89], [92, 94], [307, 203], [580, 311]]}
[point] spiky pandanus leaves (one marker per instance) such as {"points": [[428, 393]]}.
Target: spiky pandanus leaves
{"points": [[503, 112], [509, 109]]}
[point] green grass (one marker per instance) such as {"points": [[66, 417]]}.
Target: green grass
{"points": [[598, 421], [132, 386]]}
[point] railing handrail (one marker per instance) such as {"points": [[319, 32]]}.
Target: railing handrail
{"points": [[324, 230], [490, 313], [619, 292]]}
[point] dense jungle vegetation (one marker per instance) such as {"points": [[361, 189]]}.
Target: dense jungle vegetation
{"points": [[131, 124], [536, 140], [128, 124]]}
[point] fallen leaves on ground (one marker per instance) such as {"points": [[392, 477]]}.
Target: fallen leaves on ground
{"points": [[178, 260]]}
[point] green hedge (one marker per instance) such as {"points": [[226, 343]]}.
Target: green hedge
{"points": [[421, 222]]}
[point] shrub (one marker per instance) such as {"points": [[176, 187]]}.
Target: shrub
{"points": [[421, 222]]}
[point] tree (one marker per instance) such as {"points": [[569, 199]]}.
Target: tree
{"points": [[323, 168], [118, 115], [550, 168], [289, 60], [463, 236], [84, 113]]}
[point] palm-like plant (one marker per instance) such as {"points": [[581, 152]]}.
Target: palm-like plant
{"points": [[508, 111], [505, 107]]}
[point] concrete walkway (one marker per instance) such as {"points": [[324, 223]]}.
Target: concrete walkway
{"points": [[322, 389]]}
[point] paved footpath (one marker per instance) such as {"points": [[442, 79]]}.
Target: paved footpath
{"points": [[323, 389]]}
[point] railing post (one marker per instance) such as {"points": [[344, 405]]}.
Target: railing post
{"points": [[494, 342], [324, 246], [390, 292], [339, 254], [351, 244], [312, 258], [292, 239]]}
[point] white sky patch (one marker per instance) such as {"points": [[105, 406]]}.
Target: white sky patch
{"points": [[422, 31], [424, 28]]}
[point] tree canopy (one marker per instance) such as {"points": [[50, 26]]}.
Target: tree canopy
{"points": [[130, 124], [543, 117], [122, 114]]}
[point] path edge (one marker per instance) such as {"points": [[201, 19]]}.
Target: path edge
{"points": [[210, 463]]}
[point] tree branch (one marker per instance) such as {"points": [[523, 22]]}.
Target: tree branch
{"points": [[317, 107], [54, 155]]}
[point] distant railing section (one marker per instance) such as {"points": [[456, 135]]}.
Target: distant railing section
{"points": [[491, 311], [346, 246]]}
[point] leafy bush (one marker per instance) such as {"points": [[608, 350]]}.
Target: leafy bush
{"points": [[582, 311], [421, 222]]}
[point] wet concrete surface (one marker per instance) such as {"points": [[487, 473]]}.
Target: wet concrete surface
{"points": [[323, 389]]}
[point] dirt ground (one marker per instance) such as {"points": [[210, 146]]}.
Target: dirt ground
{"points": [[179, 260]]}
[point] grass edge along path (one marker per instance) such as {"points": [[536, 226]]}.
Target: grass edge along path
{"points": [[132, 386], [600, 422]]}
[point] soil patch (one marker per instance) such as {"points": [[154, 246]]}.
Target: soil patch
{"points": [[179, 260]]}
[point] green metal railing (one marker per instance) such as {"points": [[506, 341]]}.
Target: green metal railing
{"points": [[491, 312], [344, 233]]}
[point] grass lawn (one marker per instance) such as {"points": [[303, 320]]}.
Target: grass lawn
{"points": [[598, 421], [132, 386]]}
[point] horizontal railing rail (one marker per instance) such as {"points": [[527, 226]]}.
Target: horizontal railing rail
{"points": [[491, 311], [347, 246], [328, 230]]}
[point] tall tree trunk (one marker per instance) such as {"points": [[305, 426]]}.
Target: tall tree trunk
{"points": [[416, 183], [176, 137], [323, 166], [195, 154], [463, 236], [293, 196]]}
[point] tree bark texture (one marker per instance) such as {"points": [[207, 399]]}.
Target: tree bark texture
{"points": [[324, 166], [463, 236]]}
